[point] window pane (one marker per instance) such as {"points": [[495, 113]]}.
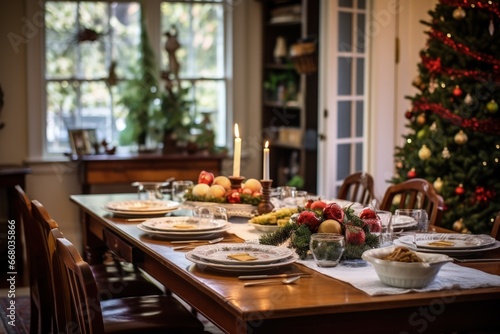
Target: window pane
{"points": [[345, 32], [344, 156], [360, 76], [344, 76], [125, 23], [360, 34], [201, 36], [359, 156], [61, 108], [359, 118], [361, 4], [345, 3], [344, 120]]}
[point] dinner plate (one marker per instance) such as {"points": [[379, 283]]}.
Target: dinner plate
{"points": [[142, 206], [184, 235], [451, 252], [241, 267], [184, 224], [265, 228], [447, 241], [403, 222], [222, 253]]}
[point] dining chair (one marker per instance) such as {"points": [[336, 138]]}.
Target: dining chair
{"points": [[495, 231], [357, 187], [414, 194], [111, 280], [38, 288], [80, 310]]}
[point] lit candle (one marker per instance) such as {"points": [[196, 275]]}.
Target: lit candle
{"points": [[265, 172], [237, 151]]}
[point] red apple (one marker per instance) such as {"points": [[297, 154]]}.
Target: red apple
{"points": [[206, 177], [234, 196], [308, 203], [334, 211], [367, 213], [318, 205], [310, 219]]}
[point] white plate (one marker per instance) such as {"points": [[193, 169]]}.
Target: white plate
{"points": [[403, 222], [184, 235], [184, 224], [233, 210], [219, 253], [448, 241], [265, 228], [119, 213], [241, 268], [143, 206], [451, 252]]}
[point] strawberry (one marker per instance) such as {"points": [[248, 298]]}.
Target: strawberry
{"points": [[334, 211], [310, 219], [367, 213], [355, 235]]}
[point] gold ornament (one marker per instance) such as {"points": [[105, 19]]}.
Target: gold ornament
{"points": [[421, 119], [461, 138], [468, 99], [424, 153], [459, 13], [446, 153], [458, 225], [438, 184], [433, 127], [399, 164]]}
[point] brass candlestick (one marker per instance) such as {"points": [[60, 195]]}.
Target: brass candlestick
{"points": [[236, 181], [265, 205]]}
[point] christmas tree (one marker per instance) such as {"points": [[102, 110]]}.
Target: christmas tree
{"points": [[454, 136]]}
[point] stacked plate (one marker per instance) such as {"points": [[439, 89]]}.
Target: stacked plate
{"points": [[140, 207], [241, 257], [184, 228], [448, 243]]}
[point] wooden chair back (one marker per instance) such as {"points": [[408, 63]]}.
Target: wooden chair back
{"points": [[78, 306], [495, 231], [414, 194], [39, 315], [357, 187], [42, 224]]}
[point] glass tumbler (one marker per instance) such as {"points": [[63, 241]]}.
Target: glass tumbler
{"points": [[327, 248], [179, 190], [385, 218]]}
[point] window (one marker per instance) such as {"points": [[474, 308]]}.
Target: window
{"points": [[92, 47]]}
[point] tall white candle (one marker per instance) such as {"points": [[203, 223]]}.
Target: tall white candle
{"points": [[237, 151], [265, 171]]}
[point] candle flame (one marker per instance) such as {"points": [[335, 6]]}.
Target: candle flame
{"points": [[236, 131], [267, 144]]}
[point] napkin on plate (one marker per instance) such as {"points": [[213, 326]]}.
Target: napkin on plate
{"points": [[242, 257]]}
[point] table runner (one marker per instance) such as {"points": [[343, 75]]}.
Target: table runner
{"points": [[362, 275]]}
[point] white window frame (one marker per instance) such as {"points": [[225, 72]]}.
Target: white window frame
{"points": [[36, 101]]}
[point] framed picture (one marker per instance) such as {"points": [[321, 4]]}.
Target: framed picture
{"points": [[82, 141]]}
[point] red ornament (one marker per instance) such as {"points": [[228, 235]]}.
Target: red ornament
{"points": [[408, 114], [460, 190], [411, 173], [457, 92]]}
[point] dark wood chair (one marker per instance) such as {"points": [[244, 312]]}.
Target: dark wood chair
{"points": [[495, 231], [80, 310], [38, 284], [357, 187], [414, 194], [112, 280]]}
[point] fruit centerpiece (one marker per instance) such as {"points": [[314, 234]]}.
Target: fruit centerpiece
{"points": [[218, 189], [360, 231]]}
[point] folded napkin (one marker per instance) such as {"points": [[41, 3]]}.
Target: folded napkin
{"points": [[245, 231], [362, 276]]}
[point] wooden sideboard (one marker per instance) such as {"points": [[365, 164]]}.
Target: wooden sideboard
{"points": [[146, 167]]}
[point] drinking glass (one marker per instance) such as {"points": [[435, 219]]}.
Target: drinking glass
{"points": [[149, 190], [210, 213], [327, 248], [410, 221], [179, 190], [385, 218], [286, 192]]}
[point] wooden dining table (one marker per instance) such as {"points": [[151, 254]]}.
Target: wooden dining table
{"points": [[315, 304]]}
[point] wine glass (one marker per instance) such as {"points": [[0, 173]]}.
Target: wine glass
{"points": [[208, 214], [179, 190]]}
